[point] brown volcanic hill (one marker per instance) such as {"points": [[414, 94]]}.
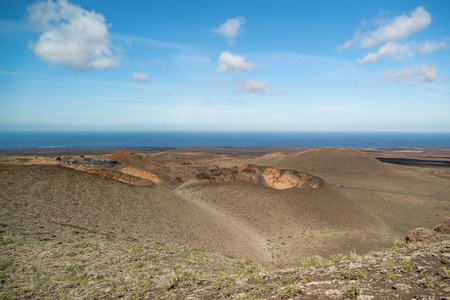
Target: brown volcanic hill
{"points": [[326, 160], [55, 200], [134, 159], [295, 221]]}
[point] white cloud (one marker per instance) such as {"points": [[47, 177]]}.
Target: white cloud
{"points": [[142, 77], [71, 35], [427, 73], [424, 73], [391, 49], [251, 86], [231, 29], [398, 28], [432, 46], [398, 75], [167, 93], [232, 64]]}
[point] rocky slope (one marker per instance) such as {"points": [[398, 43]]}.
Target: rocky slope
{"points": [[264, 176], [88, 266], [133, 168], [419, 271]]}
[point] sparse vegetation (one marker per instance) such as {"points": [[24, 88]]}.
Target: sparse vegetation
{"points": [[391, 275], [407, 264], [353, 291], [352, 275], [311, 261], [290, 291]]}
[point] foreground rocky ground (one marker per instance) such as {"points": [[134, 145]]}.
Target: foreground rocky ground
{"points": [[93, 266]]}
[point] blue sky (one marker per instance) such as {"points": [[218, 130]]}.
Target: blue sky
{"points": [[225, 65]]}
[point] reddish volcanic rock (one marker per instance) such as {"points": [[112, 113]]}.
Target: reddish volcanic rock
{"points": [[419, 235], [178, 180], [120, 177], [265, 176], [127, 174], [141, 174]]}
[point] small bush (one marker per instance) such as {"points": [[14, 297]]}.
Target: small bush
{"points": [[355, 275], [353, 291], [390, 275], [290, 291], [5, 241], [407, 264], [5, 264], [311, 261]]}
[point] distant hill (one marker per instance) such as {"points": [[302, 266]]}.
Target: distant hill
{"points": [[294, 220], [134, 159], [326, 160]]}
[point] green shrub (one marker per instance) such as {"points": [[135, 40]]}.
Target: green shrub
{"points": [[353, 291], [407, 264], [5, 264], [290, 290]]}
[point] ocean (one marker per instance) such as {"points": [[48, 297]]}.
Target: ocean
{"points": [[222, 138]]}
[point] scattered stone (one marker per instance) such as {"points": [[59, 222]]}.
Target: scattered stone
{"points": [[401, 287], [419, 235], [443, 228]]}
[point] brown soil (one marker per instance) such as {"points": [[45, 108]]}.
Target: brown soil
{"points": [[363, 205], [51, 198], [402, 197], [136, 160], [370, 204]]}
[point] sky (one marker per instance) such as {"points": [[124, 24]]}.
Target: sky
{"points": [[225, 65]]}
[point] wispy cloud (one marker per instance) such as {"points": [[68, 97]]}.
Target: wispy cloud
{"points": [[233, 64], [424, 73], [231, 29], [71, 35], [398, 28], [399, 51], [391, 49], [432, 46], [251, 86], [141, 77]]}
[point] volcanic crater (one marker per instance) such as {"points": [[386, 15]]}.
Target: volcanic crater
{"points": [[279, 179]]}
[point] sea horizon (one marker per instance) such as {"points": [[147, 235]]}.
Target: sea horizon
{"points": [[356, 139]]}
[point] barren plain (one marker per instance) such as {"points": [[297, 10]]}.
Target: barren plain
{"points": [[231, 222]]}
